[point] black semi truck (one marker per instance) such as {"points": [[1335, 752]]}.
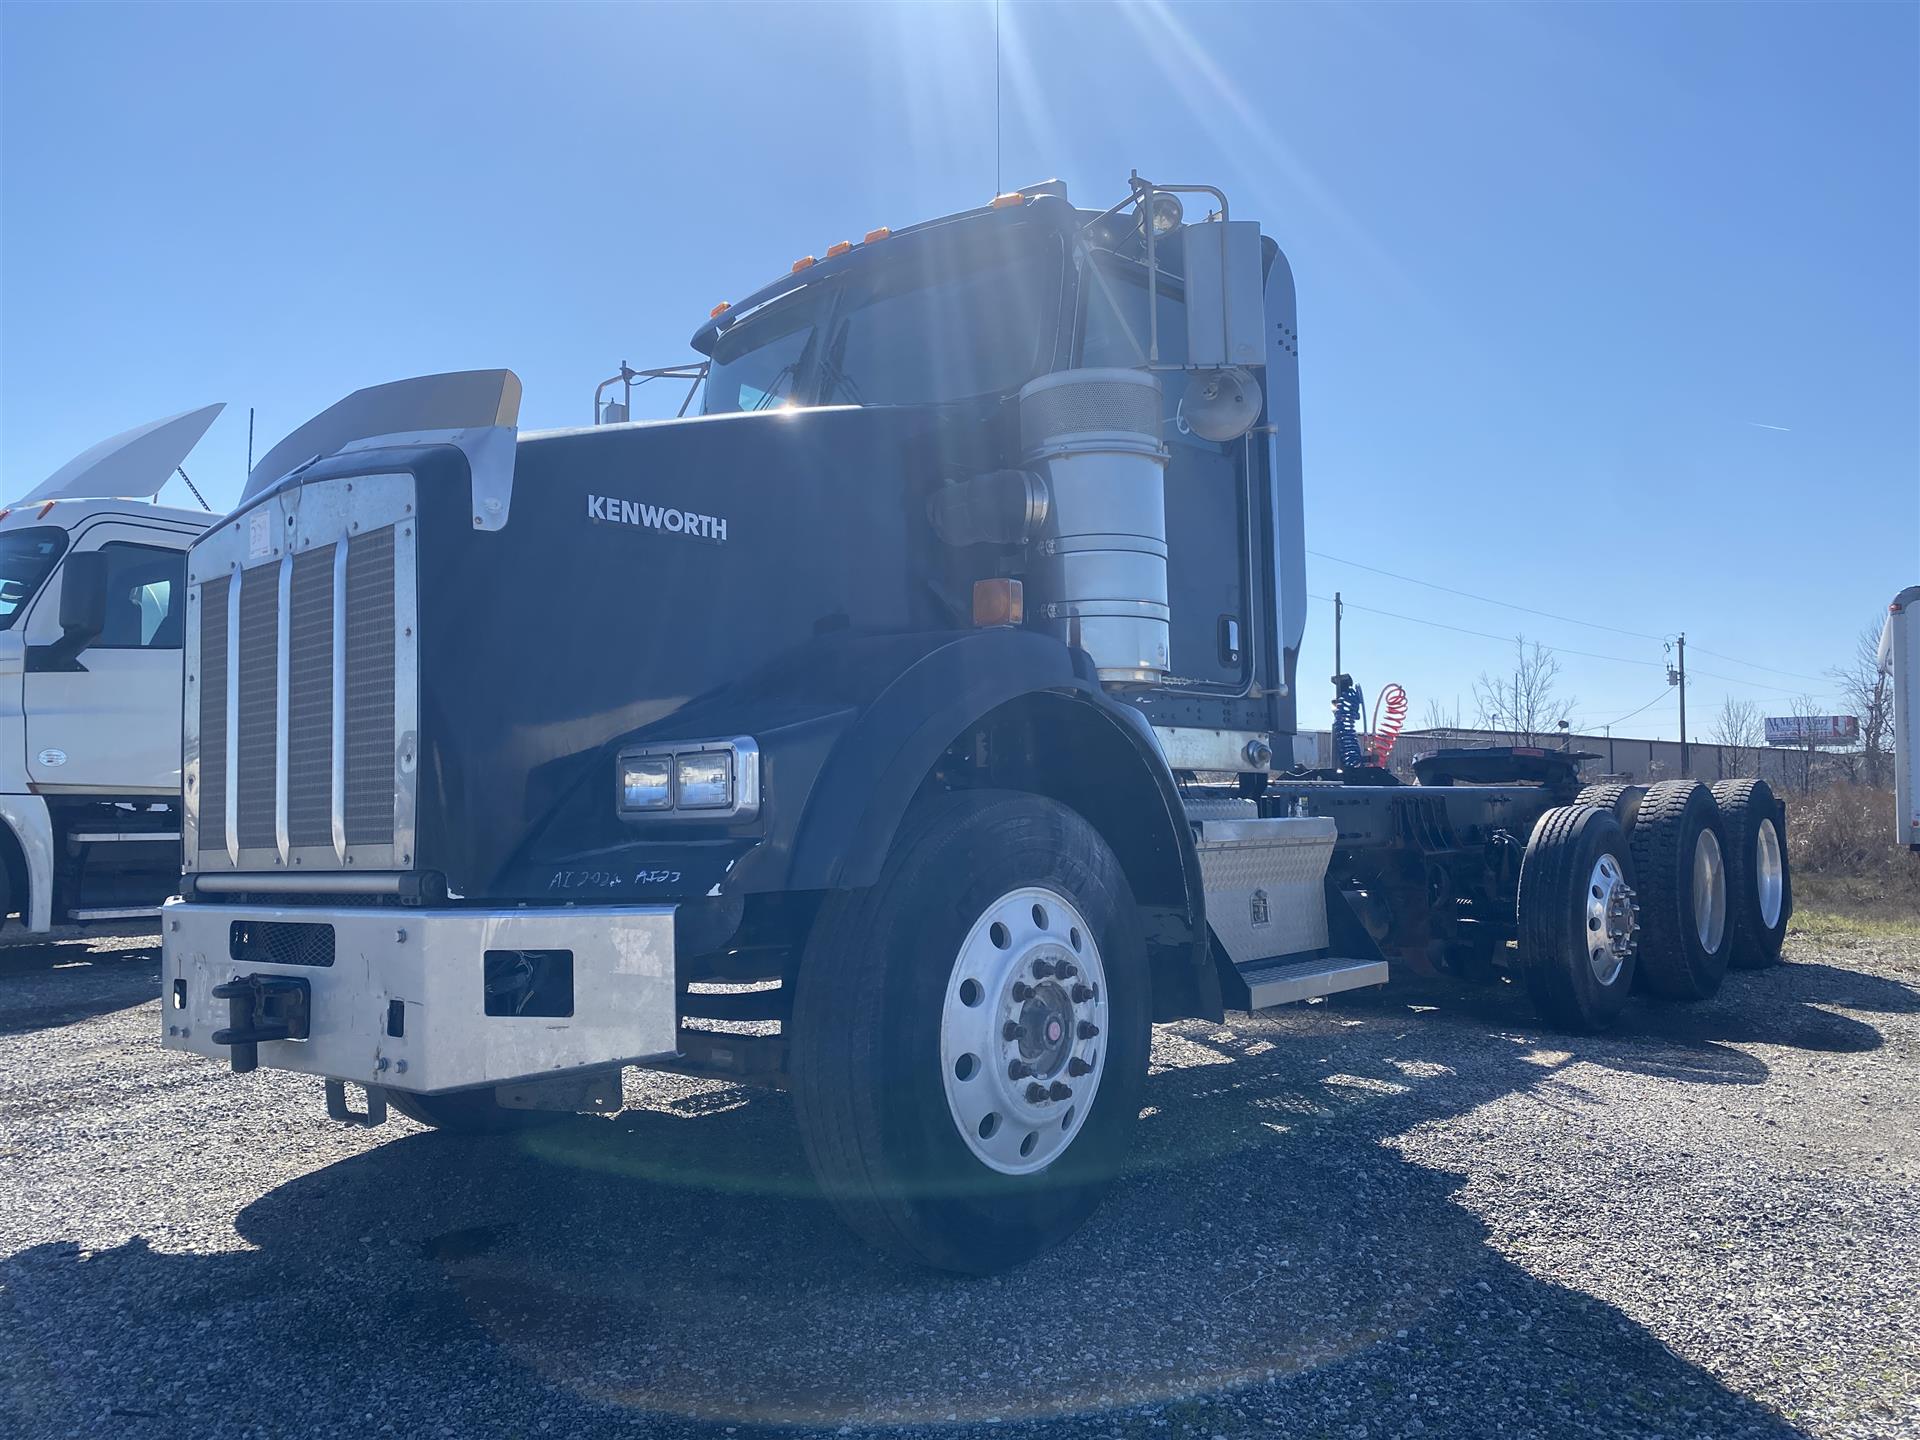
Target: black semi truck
{"points": [[912, 725]]}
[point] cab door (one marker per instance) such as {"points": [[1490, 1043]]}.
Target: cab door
{"points": [[110, 722]]}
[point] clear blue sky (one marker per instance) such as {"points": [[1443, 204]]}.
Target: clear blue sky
{"points": [[1612, 311]]}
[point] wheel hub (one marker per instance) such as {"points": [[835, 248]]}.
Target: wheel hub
{"points": [[1709, 891], [1613, 920], [1769, 873], [1022, 1031]]}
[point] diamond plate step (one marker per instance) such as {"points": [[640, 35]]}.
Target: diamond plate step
{"points": [[1282, 982]]}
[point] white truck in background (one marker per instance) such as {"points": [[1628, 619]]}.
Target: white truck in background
{"points": [[92, 577], [1900, 662]]}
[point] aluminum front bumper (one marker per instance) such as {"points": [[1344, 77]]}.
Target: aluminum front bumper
{"points": [[431, 961]]}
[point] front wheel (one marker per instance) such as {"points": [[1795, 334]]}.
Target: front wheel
{"points": [[970, 1036]]}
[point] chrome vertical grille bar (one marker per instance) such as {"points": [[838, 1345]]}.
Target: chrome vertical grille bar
{"points": [[339, 776], [282, 692], [233, 715]]}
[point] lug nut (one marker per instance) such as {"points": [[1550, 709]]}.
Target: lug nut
{"points": [[1022, 991], [1066, 969], [1057, 1091], [1042, 969], [1010, 1030], [1018, 1070], [1036, 1094], [1077, 1067], [1087, 1030], [1080, 994]]}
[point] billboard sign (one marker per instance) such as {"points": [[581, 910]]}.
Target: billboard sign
{"points": [[1813, 729]]}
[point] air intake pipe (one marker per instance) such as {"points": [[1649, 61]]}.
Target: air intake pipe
{"points": [[1099, 573]]}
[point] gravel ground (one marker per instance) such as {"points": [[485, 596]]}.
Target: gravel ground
{"points": [[1418, 1215]]}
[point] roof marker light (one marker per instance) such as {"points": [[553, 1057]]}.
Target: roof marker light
{"points": [[717, 311], [802, 263], [43, 510], [880, 234], [839, 247], [1009, 200]]}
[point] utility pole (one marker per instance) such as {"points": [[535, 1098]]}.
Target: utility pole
{"points": [[1336, 633], [1679, 677], [1686, 759]]}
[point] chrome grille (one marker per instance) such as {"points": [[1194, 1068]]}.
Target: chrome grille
{"points": [[370, 654], [310, 699], [258, 740], [302, 698], [211, 677]]}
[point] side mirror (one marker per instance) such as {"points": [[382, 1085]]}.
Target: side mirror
{"points": [[83, 600], [1226, 295]]}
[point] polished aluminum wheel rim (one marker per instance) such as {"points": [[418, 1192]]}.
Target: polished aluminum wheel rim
{"points": [[1612, 920], [1023, 1039], [1769, 873], [1709, 891]]}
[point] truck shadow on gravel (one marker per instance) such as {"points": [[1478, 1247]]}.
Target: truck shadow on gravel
{"points": [[60, 982], [1276, 1259]]}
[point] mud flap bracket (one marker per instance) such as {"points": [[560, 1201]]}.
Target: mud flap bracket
{"points": [[374, 1114]]}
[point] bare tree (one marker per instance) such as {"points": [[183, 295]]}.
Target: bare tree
{"points": [[1440, 722], [1738, 732], [1864, 692], [1806, 713], [1525, 703]]}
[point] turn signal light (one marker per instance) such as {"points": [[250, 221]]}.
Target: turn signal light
{"points": [[880, 234], [717, 311], [1009, 200], [998, 602], [802, 263], [839, 248]]}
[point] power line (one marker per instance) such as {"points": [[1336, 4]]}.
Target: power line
{"points": [[1648, 706], [1565, 619], [1771, 669], [1488, 634], [1551, 649], [1488, 599]]}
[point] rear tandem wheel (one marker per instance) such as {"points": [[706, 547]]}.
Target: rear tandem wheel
{"points": [[1577, 917]]}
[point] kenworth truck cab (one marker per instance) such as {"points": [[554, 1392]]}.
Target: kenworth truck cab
{"points": [[900, 728], [92, 605]]}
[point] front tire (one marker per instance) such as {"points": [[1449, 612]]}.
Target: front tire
{"points": [[1759, 880], [963, 1101]]}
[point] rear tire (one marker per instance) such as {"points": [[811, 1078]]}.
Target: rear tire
{"points": [[912, 1014], [1759, 879], [1679, 850], [1576, 918], [1622, 799], [469, 1112]]}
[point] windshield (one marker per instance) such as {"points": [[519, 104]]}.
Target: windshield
{"points": [[944, 322], [27, 557], [755, 366]]}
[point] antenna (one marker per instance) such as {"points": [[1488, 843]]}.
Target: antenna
{"points": [[193, 487], [249, 439], [996, 97]]}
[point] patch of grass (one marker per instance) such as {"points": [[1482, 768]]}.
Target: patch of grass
{"points": [[1821, 924]]}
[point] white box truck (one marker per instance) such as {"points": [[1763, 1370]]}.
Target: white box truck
{"points": [[1900, 662], [92, 580]]}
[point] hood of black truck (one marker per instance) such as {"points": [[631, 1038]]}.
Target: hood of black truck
{"points": [[652, 580]]}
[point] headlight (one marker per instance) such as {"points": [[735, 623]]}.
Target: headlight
{"points": [[706, 780], [646, 782], [694, 779]]}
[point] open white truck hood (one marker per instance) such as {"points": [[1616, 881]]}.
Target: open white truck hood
{"points": [[132, 465]]}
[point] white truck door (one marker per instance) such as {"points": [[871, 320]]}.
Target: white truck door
{"points": [[114, 723]]}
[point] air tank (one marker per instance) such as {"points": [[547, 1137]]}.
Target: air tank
{"points": [[1099, 571]]}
